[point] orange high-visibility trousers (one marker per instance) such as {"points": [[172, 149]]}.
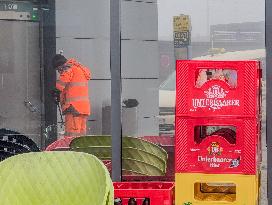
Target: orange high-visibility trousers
{"points": [[75, 125]]}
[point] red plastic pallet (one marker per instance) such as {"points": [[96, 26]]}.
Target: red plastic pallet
{"points": [[159, 193], [60, 144], [204, 90], [219, 152]]}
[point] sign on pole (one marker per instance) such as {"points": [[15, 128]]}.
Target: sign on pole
{"points": [[182, 31], [181, 39]]}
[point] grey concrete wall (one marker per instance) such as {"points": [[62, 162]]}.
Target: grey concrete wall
{"points": [[83, 18], [145, 91], [140, 59], [100, 97], [94, 53], [139, 20]]}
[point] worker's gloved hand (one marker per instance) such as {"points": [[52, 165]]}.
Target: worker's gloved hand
{"points": [[56, 95]]}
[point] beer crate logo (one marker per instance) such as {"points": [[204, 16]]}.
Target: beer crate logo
{"points": [[215, 99], [216, 92], [215, 156], [215, 149]]}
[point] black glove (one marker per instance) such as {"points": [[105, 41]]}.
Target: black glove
{"points": [[56, 95]]}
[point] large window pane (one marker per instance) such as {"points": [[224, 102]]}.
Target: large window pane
{"points": [[82, 29], [217, 30]]}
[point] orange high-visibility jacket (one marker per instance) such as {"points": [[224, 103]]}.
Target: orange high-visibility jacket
{"points": [[73, 84]]}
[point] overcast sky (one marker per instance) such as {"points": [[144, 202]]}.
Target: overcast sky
{"points": [[220, 12]]}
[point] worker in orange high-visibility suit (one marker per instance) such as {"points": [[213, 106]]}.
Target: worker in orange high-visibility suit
{"points": [[74, 99]]}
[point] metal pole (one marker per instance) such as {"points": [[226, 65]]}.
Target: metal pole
{"points": [[268, 45], [116, 87], [48, 23], [189, 52]]}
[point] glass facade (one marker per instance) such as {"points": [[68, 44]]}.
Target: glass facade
{"points": [[154, 34]]}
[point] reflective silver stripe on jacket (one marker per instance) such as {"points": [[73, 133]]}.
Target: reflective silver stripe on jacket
{"points": [[75, 99], [61, 83]]}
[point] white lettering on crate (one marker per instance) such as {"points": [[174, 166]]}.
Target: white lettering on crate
{"points": [[215, 99]]}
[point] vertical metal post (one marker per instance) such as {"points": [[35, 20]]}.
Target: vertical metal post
{"points": [[48, 24], [189, 52], [268, 45], [116, 87]]}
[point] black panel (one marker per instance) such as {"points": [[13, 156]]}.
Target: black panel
{"points": [[48, 30]]}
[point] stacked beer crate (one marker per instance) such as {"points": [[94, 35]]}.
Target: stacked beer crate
{"points": [[218, 130]]}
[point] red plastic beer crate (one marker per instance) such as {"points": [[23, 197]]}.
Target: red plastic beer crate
{"points": [[208, 145], [159, 193], [218, 88]]}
